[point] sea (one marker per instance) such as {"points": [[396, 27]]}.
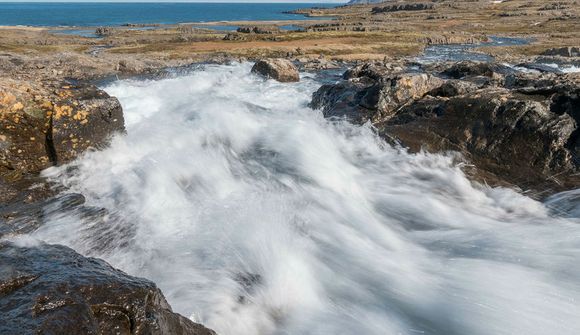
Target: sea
{"points": [[116, 14]]}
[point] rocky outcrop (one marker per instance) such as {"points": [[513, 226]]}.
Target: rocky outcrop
{"points": [[522, 128], [50, 289], [563, 52], [372, 94], [47, 123], [402, 7], [279, 69]]}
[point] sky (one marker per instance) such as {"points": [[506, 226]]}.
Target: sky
{"points": [[263, 1]]}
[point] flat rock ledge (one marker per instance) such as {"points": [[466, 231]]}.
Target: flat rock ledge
{"points": [[51, 289], [278, 69]]}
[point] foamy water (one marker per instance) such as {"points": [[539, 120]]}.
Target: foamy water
{"points": [[255, 215]]}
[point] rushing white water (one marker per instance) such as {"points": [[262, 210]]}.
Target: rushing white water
{"points": [[257, 216]]}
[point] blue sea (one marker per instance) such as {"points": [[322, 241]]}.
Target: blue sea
{"points": [[115, 14]]}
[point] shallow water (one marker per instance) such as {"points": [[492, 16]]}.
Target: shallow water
{"points": [[466, 52], [255, 215]]}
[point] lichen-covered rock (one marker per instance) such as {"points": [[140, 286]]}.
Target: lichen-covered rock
{"points": [[47, 123], [51, 289], [279, 69], [83, 117]]}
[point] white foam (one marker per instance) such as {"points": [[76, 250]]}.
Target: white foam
{"points": [[255, 215]]}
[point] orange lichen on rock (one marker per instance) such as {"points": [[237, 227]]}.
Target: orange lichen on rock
{"points": [[62, 111]]}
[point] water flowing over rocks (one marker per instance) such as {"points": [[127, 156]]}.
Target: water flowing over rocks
{"points": [[51, 289], [520, 127], [278, 69]]}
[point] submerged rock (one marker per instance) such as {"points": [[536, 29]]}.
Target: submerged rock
{"points": [[51, 289], [523, 128], [279, 69]]}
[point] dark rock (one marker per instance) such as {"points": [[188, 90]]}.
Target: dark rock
{"points": [[453, 88], [104, 31], [234, 37], [563, 52], [521, 128], [279, 69], [472, 69], [50, 122], [50, 289], [84, 117], [367, 95]]}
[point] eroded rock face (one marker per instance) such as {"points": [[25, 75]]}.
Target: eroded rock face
{"points": [[279, 69], [47, 123], [523, 128], [50, 289]]}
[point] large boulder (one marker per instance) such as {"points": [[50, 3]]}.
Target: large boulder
{"points": [[519, 138], [370, 93], [51, 289], [43, 123], [82, 117], [279, 69]]}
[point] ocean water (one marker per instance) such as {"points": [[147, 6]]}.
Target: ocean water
{"points": [[257, 216], [114, 14]]}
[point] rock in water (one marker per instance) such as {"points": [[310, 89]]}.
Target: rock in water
{"points": [[50, 289], [522, 128], [279, 69]]}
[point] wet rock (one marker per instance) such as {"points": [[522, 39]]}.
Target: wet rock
{"points": [[368, 95], [279, 69], [465, 69], [50, 289], [83, 117], [522, 128], [43, 123], [513, 136]]}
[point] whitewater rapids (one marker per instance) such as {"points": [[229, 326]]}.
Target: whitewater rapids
{"points": [[255, 215]]}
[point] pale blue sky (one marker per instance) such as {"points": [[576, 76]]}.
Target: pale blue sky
{"points": [[262, 1]]}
